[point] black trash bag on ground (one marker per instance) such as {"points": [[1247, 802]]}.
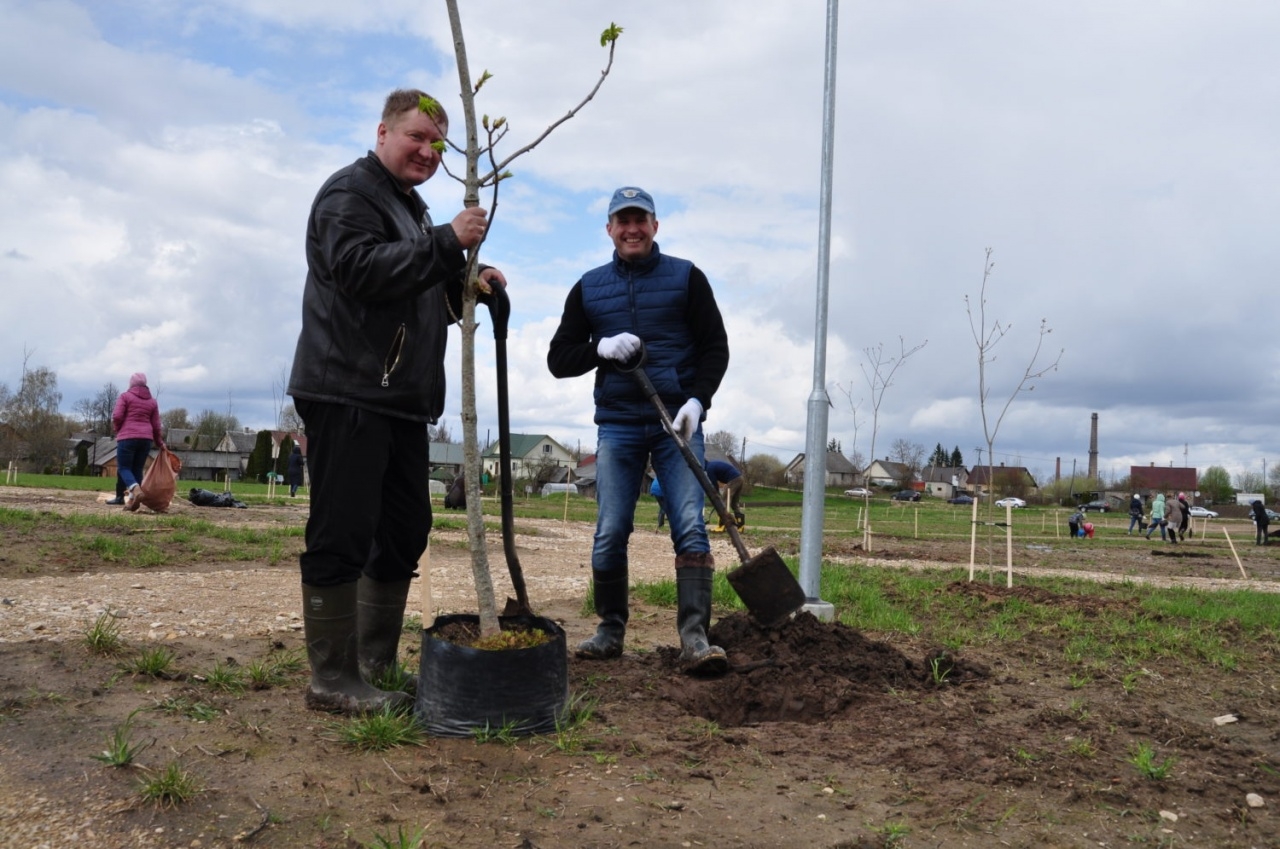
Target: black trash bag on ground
{"points": [[205, 498]]}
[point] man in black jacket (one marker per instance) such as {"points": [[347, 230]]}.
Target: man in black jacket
{"points": [[367, 379], [1261, 519]]}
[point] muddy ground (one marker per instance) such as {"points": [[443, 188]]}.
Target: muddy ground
{"points": [[821, 736]]}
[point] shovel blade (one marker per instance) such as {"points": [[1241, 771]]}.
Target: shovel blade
{"points": [[767, 587]]}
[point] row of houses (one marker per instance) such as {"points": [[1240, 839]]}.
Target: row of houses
{"points": [[227, 458], [939, 481], [540, 458], [204, 458], [947, 481]]}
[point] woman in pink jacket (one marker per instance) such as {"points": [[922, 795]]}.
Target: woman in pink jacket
{"points": [[137, 423]]}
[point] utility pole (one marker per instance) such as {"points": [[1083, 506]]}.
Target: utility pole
{"points": [[815, 458]]}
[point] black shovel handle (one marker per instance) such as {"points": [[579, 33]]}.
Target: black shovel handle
{"points": [[726, 519], [499, 313]]}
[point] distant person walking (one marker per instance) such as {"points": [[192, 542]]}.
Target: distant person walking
{"points": [[655, 489], [296, 464], [1135, 513], [1185, 524], [1260, 521], [1173, 518], [136, 420], [1157, 516]]}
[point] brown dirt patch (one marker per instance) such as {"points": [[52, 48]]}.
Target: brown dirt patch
{"points": [[820, 736]]}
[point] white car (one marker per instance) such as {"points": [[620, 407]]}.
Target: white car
{"points": [[858, 492], [1201, 513], [1011, 502]]}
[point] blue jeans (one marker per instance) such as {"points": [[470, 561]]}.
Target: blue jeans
{"points": [[622, 454], [131, 460]]}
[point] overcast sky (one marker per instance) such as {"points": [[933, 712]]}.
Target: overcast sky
{"points": [[158, 159]]}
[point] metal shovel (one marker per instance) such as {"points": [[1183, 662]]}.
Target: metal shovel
{"points": [[764, 583]]}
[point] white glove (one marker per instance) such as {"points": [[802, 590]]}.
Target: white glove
{"points": [[686, 421], [621, 347]]}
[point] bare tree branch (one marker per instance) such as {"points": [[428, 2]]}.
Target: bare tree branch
{"points": [[986, 338]]}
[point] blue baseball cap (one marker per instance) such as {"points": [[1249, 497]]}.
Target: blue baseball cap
{"points": [[630, 197]]}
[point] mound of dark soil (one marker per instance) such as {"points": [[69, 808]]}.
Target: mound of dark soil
{"points": [[807, 671]]}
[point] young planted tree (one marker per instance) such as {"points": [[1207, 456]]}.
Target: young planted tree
{"points": [[878, 371], [474, 181], [986, 336]]}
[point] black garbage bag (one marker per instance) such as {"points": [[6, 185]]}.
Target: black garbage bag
{"points": [[205, 498]]}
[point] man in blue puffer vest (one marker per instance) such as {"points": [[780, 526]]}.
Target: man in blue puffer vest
{"points": [[666, 303]]}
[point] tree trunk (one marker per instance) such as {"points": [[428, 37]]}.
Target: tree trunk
{"points": [[470, 441]]}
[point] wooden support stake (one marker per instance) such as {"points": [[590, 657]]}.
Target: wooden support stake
{"points": [[1008, 543], [973, 537], [424, 589], [1234, 554]]}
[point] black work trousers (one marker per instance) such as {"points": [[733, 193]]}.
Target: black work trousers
{"points": [[370, 502]]}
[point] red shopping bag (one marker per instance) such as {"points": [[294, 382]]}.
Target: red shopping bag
{"points": [[160, 482]]}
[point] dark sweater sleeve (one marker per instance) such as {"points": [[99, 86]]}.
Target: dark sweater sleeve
{"points": [[711, 342], [572, 352]]}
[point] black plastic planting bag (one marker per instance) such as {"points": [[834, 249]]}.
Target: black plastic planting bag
{"points": [[461, 689]]}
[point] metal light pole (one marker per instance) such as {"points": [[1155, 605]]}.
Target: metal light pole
{"points": [[815, 457]]}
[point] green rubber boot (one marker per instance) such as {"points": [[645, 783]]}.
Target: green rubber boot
{"points": [[329, 622], [380, 614], [693, 618], [610, 589]]}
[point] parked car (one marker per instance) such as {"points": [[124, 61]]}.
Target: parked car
{"points": [[858, 492], [1011, 502], [906, 495], [1100, 506], [960, 499], [1272, 516], [1202, 513]]}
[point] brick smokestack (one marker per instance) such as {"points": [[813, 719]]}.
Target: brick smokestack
{"points": [[1093, 448]]}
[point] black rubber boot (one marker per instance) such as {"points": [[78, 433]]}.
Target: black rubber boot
{"points": [[610, 589], [380, 609], [329, 620], [693, 618]]}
